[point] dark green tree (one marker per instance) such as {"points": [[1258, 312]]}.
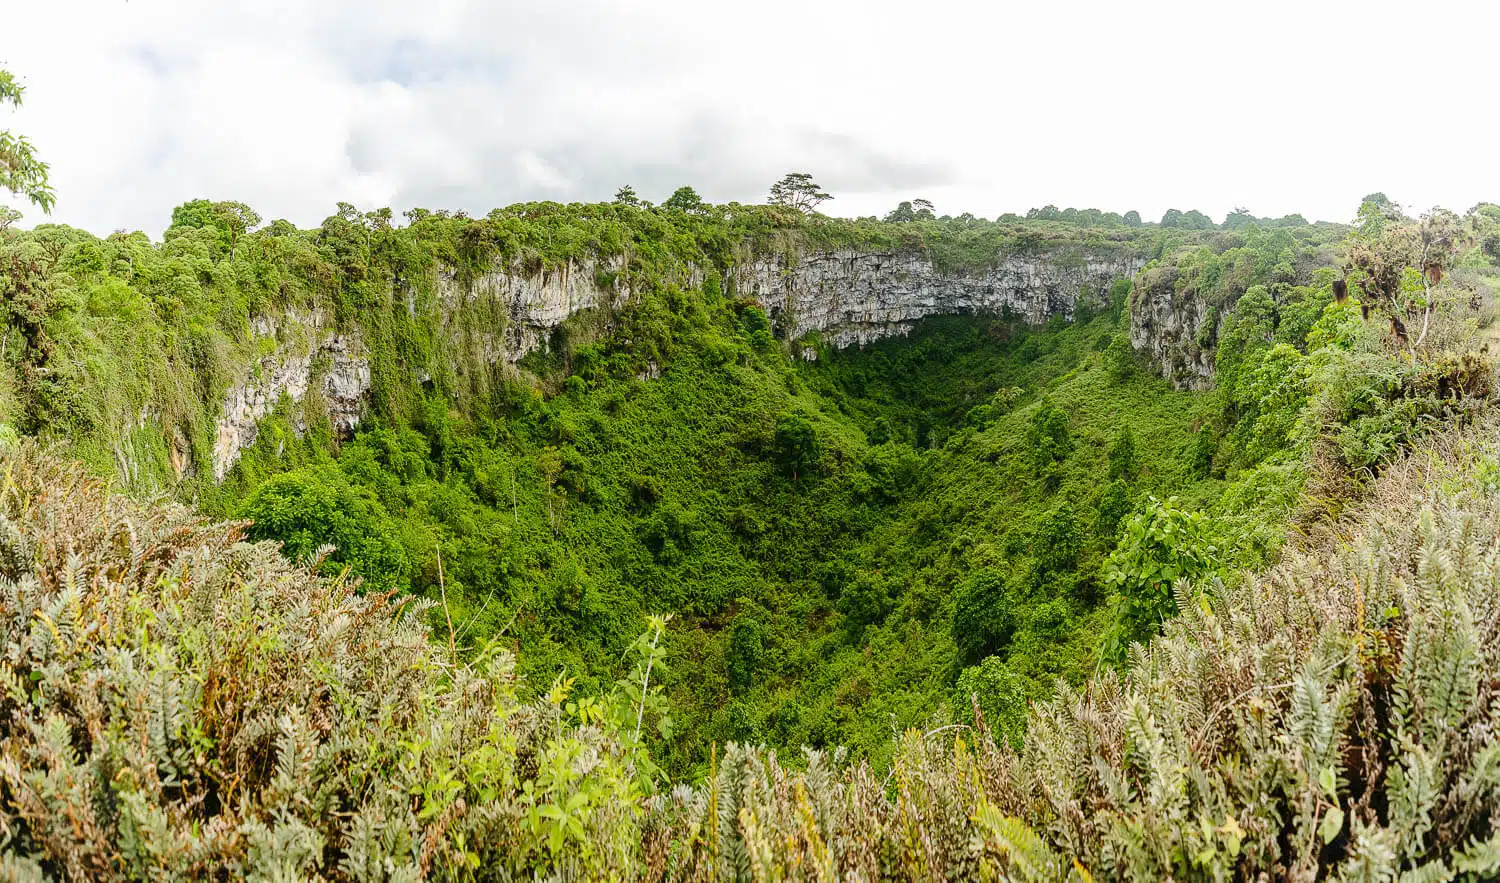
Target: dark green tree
{"points": [[1201, 458], [1057, 541], [345, 239], [228, 220], [627, 196], [1240, 217], [1248, 329], [317, 506], [798, 190], [1196, 220], [1048, 436], [797, 447], [901, 214], [1122, 457], [983, 616], [684, 199], [1162, 544], [746, 653], [1113, 505], [753, 319], [865, 601]]}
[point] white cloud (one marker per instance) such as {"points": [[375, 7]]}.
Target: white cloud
{"points": [[981, 106]]}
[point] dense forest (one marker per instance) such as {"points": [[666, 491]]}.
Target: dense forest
{"points": [[1193, 578], [849, 544]]}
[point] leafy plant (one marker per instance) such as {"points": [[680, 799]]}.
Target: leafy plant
{"points": [[1162, 545]]}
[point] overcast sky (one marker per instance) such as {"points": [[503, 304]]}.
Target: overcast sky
{"points": [[986, 107]]}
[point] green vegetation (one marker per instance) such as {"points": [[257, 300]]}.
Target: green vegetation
{"points": [[850, 544], [1128, 628], [1331, 716], [568, 500], [21, 171]]}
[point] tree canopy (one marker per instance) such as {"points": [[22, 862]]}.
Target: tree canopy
{"points": [[798, 190]]}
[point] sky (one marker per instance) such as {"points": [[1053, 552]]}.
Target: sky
{"points": [[983, 107]]}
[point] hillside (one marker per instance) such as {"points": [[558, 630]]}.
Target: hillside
{"points": [[182, 704], [594, 413], [666, 483]]}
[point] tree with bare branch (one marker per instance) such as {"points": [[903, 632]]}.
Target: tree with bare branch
{"points": [[798, 190], [1399, 265]]}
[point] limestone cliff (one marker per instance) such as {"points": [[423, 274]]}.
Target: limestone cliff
{"points": [[310, 356], [849, 297], [853, 297], [308, 353]]}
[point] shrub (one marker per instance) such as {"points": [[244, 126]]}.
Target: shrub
{"points": [[983, 615], [1048, 437], [1122, 459], [316, 506], [1162, 544], [797, 447], [747, 650]]}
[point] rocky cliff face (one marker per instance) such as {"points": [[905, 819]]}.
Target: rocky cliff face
{"points": [[1177, 333], [852, 297], [310, 355], [849, 297]]}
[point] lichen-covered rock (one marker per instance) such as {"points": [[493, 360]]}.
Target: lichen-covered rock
{"points": [[529, 305], [522, 309], [335, 364]]}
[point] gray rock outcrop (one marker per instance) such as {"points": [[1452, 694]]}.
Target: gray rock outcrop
{"points": [[1176, 333], [852, 297]]}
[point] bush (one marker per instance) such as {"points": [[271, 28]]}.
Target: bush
{"points": [[1048, 437], [316, 506], [1122, 459], [1119, 358], [1162, 544], [797, 447], [865, 601], [747, 651], [983, 615], [197, 708]]}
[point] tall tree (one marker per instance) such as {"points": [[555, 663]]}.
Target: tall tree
{"points": [[239, 219], [798, 190], [684, 199], [902, 213], [912, 210], [20, 171], [1240, 217], [1122, 459], [627, 196]]}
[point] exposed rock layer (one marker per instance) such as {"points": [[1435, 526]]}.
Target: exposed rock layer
{"points": [[848, 297], [334, 365], [1177, 333], [851, 297]]}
